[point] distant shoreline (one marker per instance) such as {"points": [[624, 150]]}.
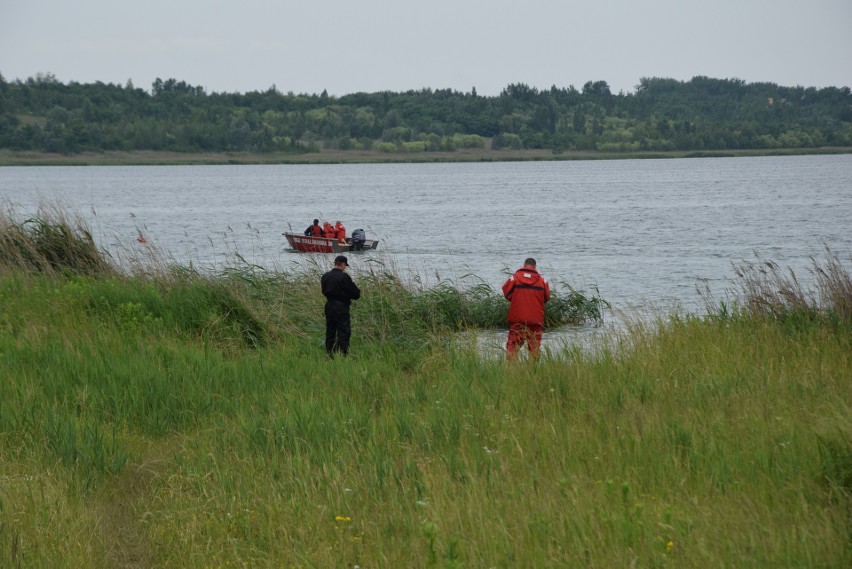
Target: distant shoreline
{"points": [[155, 158]]}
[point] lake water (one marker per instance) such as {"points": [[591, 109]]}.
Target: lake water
{"points": [[645, 233]]}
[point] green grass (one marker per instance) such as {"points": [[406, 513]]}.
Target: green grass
{"points": [[174, 419]]}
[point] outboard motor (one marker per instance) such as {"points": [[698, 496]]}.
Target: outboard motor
{"points": [[358, 240]]}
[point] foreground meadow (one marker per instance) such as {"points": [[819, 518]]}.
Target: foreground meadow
{"points": [[162, 418]]}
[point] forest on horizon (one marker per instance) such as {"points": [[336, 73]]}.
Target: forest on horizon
{"points": [[44, 114]]}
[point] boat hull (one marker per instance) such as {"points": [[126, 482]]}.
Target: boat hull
{"points": [[309, 244]]}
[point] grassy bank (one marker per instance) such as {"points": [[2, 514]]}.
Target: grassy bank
{"points": [[28, 158], [165, 418]]}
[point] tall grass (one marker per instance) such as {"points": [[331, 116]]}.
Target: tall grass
{"points": [[763, 289], [50, 242], [189, 420], [256, 303]]}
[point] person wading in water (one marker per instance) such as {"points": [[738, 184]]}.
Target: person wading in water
{"points": [[526, 291]]}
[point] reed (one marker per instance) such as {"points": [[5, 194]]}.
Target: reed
{"points": [[763, 289], [50, 242]]}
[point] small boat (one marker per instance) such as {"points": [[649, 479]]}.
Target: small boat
{"points": [[310, 244]]}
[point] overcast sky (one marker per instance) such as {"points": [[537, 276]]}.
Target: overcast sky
{"points": [[347, 46]]}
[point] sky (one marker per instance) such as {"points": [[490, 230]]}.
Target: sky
{"points": [[349, 46]]}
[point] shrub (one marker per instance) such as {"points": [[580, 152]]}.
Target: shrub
{"points": [[468, 141], [506, 140], [414, 146], [384, 146]]}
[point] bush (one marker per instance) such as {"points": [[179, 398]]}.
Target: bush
{"points": [[414, 146], [468, 141], [385, 146], [507, 140]]}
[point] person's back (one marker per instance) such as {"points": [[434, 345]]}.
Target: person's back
{"points": [[340, 232], [338, 286], [526, 291], [340, 291]]}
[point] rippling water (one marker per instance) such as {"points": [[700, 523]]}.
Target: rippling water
{"points": [[644, 232]]}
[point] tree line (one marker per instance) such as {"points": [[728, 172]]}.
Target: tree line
{"points": [[44, 114]]}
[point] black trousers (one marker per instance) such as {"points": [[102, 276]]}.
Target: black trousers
{"points": [[337, 327]]}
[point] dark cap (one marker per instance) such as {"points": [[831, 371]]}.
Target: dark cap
{"points": [[341, 259]]}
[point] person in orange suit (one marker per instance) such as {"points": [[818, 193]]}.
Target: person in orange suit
{"points": [[328, 230], [526, 291], [340, 232]]}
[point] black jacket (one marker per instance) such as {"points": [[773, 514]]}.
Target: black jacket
{"points": [[339, 286]]}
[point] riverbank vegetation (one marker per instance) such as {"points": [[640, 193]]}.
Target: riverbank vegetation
{"points": [[154, 416], [325, 156], [662, 116]]}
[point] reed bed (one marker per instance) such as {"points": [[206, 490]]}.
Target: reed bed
{"points": [[184, 420], [762, 289], [52, 241]]}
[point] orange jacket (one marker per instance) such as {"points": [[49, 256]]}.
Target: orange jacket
{"points": [[328, 230], [341, 232], [526, 291], [316, 230]]}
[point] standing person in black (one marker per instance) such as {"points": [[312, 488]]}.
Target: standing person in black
{"points": [[340, 291]]}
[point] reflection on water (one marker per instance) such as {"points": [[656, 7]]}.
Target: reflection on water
{"points": [[556, 342], [564, 342]]}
